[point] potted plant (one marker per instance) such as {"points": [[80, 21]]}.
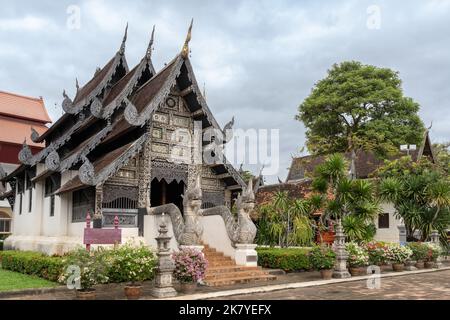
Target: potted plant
{"points": [[358, 259], [433, 253], [377, 252], [419, 253], [398, 255], [323, 258], [132, 264], [190, 268], [83, 270]]}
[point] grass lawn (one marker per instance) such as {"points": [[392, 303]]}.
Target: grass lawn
{"points": [[15, 281]]}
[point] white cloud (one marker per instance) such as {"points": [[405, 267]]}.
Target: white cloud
{"points": [[27, 23]]}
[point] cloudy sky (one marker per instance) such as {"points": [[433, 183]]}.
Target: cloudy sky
{"points": [[258, 59]]}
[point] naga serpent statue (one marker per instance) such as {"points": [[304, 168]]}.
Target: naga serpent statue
{"points": [[187, 229], [241, 230]]}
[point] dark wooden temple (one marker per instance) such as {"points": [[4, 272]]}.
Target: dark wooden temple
{"points": [[112, 150]]}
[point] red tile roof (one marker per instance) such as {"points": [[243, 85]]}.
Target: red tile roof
{"points": [[16, 131], [23, 107]]}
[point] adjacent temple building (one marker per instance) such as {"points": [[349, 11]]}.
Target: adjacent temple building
{"points": [[112, 153]]}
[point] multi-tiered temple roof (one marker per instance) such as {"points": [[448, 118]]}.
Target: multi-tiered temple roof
{"points": [[105, 125]]}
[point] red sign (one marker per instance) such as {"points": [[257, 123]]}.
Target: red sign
{"points": [[101, 236]]}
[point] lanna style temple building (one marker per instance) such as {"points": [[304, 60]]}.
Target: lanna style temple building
{"points": [[123, 148]]}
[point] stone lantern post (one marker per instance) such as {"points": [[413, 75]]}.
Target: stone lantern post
{"points": [[340, 268], [163, 280], [435, 239]]}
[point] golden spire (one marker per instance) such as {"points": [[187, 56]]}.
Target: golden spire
{"points": [[185, 51]]}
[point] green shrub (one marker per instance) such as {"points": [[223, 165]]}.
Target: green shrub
{"points": [[129, 263], [322, 257], [419, 249], [32, 263], [291, 259]]}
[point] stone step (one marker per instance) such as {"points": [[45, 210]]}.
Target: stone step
{"points": [[221, 263], [235, 280], [221, 269], [234, 274], [219, 259]]}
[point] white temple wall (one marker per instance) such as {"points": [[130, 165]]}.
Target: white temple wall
{"points": [[391, 234], [151, 226], [216, 236]]}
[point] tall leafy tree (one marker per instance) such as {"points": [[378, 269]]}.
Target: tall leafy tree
{"points": [[359, 106], [442, 153], [420, 192]]}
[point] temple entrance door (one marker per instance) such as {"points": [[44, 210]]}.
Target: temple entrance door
{"points": [[164, 193]]}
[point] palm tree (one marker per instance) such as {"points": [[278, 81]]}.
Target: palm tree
{"points": [[351, 202]]}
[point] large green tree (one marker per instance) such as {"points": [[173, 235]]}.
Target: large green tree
{"points": [[359, 106]]}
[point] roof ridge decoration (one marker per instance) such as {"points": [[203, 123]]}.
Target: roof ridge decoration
{"points": [[87, 173], [148, 54], [25, 155], [138, 119], [68, 104], [54, 145], [34, 135], [124, 40], [185, 50], [54, 163], [108, 110]]}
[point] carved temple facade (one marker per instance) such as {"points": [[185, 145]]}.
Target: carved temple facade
{"points": [[123, 146]]}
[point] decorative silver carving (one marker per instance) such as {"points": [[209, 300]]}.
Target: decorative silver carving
{"points": [[112, 192], [169, 171], [52, 162], [136, 119], [68, 162], [25, 155], [96, 108], [87, 173], [67, 104], [228, 131], [34, 135]]}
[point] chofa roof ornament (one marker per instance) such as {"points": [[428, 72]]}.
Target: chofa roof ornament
{"points": [[148, 54], [185, 50], [124, 40], [34, 135], [228, 131], [25, 154], [86, 172], [67, 104], [52, 162]]}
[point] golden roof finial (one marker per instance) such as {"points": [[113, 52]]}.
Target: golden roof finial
{"points": [[185, 51]]}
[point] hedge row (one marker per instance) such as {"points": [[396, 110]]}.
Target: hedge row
{"points": [[32, 263], [292, 259]]}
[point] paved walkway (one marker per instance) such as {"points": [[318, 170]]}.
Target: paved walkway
{"points": [[433, 286], [428, 286]]}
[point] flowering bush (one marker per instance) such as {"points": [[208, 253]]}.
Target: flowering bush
{"points": [[397, 253], [129, 263], [190, 265], [433, 251], [377, 252], [91, 270], [419, 251], [322, 257], [357, 256]]}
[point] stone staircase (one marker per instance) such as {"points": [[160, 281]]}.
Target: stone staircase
{"points": [[222, 270]]}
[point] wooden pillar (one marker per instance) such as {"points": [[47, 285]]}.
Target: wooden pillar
{"points": [[163, 191], [98, 206], [145, 173]]}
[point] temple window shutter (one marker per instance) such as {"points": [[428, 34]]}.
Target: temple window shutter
{"points": [[383, 221]]}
